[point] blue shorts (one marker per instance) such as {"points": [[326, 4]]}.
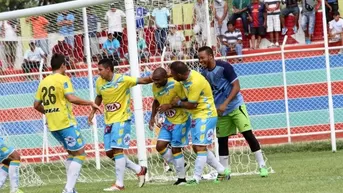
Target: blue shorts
{"points": [[202, 130], [5, 151], [176, 134], [70, 138], [117, 135]]}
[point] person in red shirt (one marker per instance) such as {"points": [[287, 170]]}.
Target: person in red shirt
{"points": [[257, 17], [65, 49]]}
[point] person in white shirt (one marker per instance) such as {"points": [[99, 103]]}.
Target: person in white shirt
{"points": [[32, 59], [200, 22], [10, 41], [114, 18], [273, 21], [175, 44], [336, 29], [220, 12]]}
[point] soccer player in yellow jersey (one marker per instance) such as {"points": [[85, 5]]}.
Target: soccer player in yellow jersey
{"points": [[200, 104], [113, 90], [53, 98], [175, 128]]}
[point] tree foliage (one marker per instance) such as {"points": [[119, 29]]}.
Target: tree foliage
{"points": [[10, 5]]}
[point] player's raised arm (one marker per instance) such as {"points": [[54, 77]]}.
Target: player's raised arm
{"points": [[79, 101], [69, 95], [144, 80]]}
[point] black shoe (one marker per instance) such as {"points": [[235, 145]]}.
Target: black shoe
{"points": [[180, 182]]}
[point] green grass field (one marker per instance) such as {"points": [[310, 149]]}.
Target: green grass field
{"points": [[298, 168]]}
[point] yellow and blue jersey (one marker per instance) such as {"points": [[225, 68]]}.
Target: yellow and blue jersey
{"points": [[58, 110], [198, 90], [165, 95], [116, 97]]}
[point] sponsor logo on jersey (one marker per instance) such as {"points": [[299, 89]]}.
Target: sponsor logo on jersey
{"points": [[170, 113], [113, 107], [53, 110]]}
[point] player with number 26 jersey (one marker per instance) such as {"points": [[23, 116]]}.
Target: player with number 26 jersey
{"points": [[58, 110], [54, 96]]}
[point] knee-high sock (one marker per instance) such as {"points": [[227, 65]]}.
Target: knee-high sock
{"points": [[3, 175], [13, 172], [120, 161], [74, 171], [213, 162], [179, 165], [132, 166], [199, 165]]}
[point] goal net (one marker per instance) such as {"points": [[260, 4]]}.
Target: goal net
{"points": [[63, 32]]}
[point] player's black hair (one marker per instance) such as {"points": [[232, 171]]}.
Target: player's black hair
{"points": [[231, 22], [56, 61], [109, 34], [207, 49], [179, 67], [160, 71], [107, 63], [335, 13]]}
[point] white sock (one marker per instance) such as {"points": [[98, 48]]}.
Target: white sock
{"points": [[213, 162], [67, 162], [224, 160], [199, 165], [74, 171], [13, 172], [3, 175], [132, 166], [167, 155], [259, 159], [120, 161], [180, 165]]}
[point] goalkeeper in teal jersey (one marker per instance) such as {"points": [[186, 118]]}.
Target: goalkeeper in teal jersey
{"points": [[10, 160]]}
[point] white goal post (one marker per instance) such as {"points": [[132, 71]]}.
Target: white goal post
{"points": [[45, 163]]}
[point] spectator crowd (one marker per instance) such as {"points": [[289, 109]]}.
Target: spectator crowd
{"points": [[259, 19]]}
